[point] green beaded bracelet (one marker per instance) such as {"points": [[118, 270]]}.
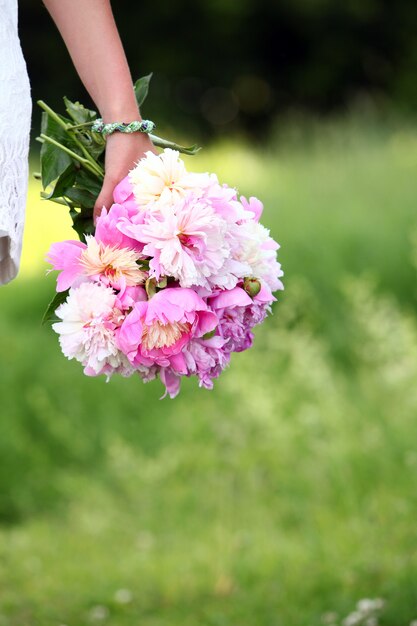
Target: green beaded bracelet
{"points": [[144, 126]]}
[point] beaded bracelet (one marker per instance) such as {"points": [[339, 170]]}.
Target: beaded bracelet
{"points": [[144, 126]]}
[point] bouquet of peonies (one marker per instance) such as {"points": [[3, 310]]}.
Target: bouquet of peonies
{"points": [[176, 275]]}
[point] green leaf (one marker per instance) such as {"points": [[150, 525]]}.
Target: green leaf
{"points": [[53, 163], [59, 298], [81, 197], [141, 89], [63, 183], [78, 112], [60, 201], [50, 126], [164, 143], [53, 160], [82, 223], [88, 182], [93, 142]]}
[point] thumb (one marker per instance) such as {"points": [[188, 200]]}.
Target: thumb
{"points": [[105, 198]]}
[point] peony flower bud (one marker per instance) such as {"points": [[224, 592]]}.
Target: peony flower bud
{"points": [[150, 287], [252, 286], [210, 334]]}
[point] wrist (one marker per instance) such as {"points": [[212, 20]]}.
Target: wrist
{"points": [[124, 116], [121, 112]]}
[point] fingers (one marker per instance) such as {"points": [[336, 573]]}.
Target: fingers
{"points": [[105, 198], [122, 152]]}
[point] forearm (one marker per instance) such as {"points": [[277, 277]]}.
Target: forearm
{"points": [[92, 39]]}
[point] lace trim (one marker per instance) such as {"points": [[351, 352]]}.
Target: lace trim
{"points": [[15, 117]]}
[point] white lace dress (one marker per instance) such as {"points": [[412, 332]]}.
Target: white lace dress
{"points": [[15, 117]]}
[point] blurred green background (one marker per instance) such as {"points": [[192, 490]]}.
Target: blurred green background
{"points": [[287, 494]]}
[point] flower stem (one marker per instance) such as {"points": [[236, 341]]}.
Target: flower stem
{"points": [[164, 143], [93, 167], [44, 196], [68, 128], [52, 114], [86, 154], [77, 126]]}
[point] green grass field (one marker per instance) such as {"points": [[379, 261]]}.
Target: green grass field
{"points": [[285, 495]]}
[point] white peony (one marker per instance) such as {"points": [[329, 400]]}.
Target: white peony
{"points": [[259, 251], [163, 179], [86, 332]]}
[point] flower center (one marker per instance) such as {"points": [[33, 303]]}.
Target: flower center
{"points": [[188, 242], [160, 335], [111, 262], [110, 271], [184, 239]]}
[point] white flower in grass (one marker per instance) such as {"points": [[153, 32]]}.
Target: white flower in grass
{"points": [[368, 605], [86, 332], [123, 596], [353, 619], [99, 613]]}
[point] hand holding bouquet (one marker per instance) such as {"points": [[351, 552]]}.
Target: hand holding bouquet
{"points": [[172, 281]]}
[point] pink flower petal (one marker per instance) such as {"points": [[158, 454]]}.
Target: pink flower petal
{"points": [[130, 333], [254, 205], [265, 295], [65, 256], [123, 191], [207, 322], [178, 363], [171, 381], [233, 297]]}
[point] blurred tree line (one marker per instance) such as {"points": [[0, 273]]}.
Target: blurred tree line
{"points": [[225, 65]]}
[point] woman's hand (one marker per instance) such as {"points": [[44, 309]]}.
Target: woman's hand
{"points": [[123, 151]]}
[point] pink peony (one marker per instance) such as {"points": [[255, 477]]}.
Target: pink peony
{"points": [[107, 226], [97, 262], [188, 244], [207, 358], [111, 265], [238, 313], [156, 331]]}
